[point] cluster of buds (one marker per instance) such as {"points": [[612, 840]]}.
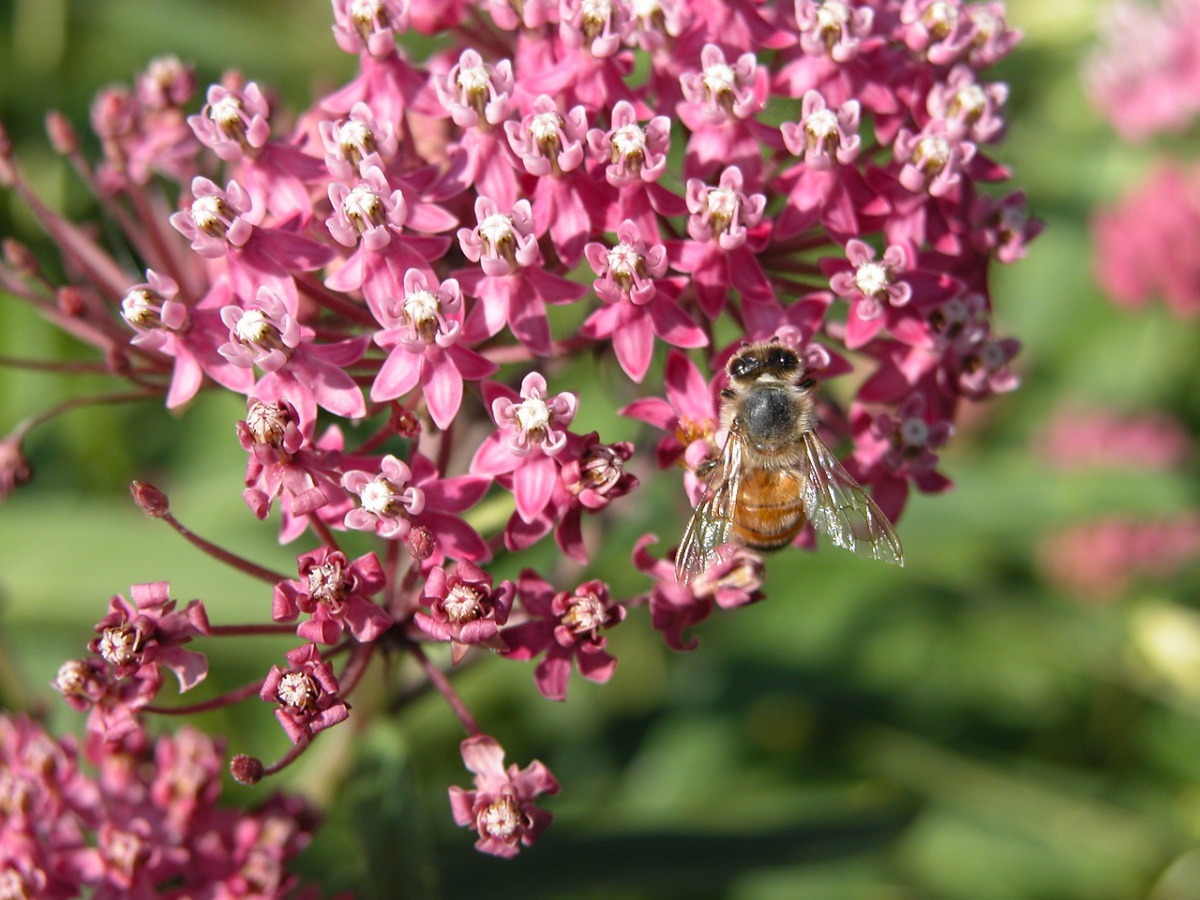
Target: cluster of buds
{"points": [[388, 257]]}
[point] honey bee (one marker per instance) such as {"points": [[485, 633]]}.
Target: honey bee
{"points": [[774, 473]]}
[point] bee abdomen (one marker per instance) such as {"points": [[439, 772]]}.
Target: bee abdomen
{"points": [[769, 511]]}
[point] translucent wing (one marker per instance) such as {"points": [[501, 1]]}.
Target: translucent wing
{"points": [[841, 510], [709, 526]]}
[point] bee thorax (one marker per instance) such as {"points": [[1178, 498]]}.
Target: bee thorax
{"points": [[769, 415]]}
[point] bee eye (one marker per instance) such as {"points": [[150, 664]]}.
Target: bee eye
{"points": [[742, 366], [781, 358]]}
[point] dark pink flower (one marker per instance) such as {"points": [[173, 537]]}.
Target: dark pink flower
{"points": [[149, 631], [233, 123], [358, 143], [1078, 438], [369, 26], [464, 608], [688, 414], [336, 594], [632, 153], [388, 499], [566, 627], [475, 92], [501, 806], [305, 694]]}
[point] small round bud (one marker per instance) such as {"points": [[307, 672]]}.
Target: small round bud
{"points": [[20, 258], [153, 502], [405, 423], [61, 133], [70, 301], [421, 543], [247, 770]]}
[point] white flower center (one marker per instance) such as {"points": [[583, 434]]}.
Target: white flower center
{"points": [[596, 11], [379, 497], [914, 432], [832, 16], [209, 214], [474, 79], [932, 153], [139, 307], [227, 112], [941, 19], [722, 203], [363, 208], [118, 645], [462, 604], [296, 689], [629, 141], [970, 102], [719, 79], [501, 819], [872, 279], [533, 416], [254, 327], [496, 231], [821, 125], [421, 308], [267, 422], [624, 263], [544, 126], [587, 613], [71, 677]]}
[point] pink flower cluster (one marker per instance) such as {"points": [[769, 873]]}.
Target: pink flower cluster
{"points": [[1145, 73], [1146, 244], [146, 825], [1078, 438], [390, 256]]}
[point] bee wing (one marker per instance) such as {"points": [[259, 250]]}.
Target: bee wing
{"points": [[840, 509], [709, 526]]}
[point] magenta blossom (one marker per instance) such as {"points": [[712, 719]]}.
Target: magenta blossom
{"points": [[421, 332], [532, 431], [336, 593], [149, 631], [306, 694], [464, 608], [501, 806], [565, 626], [388, 499]]}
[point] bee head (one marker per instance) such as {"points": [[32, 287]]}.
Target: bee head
{"points": [[766, 359]]}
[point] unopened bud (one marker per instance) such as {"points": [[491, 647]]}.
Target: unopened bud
{"points": [[153, 502], [20, 257], [247, 770], [70, 300], [61, 133], [420, 543], [406, 424]]}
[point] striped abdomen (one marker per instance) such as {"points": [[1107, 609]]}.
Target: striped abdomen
{"points": [[769, 510]]}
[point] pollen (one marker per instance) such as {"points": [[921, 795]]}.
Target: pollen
{"points": [[297, 690], [546, 129], [227, 113], [872, 279], [914, 433], [267, 422]]}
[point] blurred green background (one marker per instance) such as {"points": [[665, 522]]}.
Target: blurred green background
{"points": [[964, 729]]}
